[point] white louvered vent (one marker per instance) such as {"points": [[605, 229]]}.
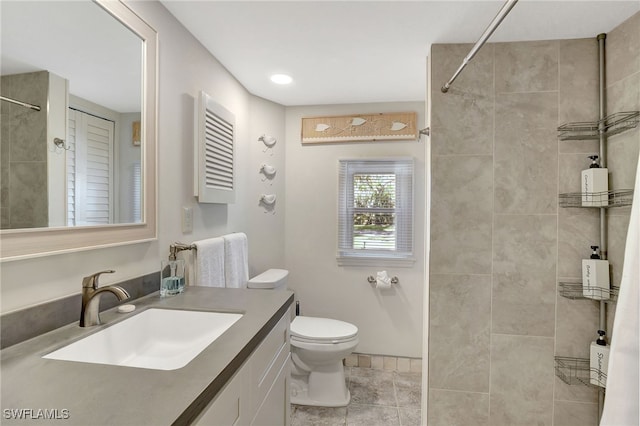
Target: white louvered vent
{"points": [[89, 169], [215, 178]]}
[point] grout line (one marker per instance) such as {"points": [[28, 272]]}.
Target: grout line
{"points": [[557, 256], [460, 391], [493, 228]]}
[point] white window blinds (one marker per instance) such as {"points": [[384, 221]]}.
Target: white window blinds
{"points": [[375, 216]]}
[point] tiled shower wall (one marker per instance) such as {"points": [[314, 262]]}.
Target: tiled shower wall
{"points": [[24, 152], [499, 241]]}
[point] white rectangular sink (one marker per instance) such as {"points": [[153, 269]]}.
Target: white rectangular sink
{"points": [[160, 339]]}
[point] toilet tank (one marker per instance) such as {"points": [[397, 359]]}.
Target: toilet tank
{"points": [[270, 279]]}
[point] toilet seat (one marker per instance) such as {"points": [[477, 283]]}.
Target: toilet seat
{"points": [[322, 330]]}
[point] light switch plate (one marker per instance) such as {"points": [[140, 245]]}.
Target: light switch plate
{"points": [[187, 220]]}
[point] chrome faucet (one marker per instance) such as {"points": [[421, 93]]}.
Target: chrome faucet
{"points": [[90, 313]]}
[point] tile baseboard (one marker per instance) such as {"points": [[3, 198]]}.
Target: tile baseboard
{"points": [[384, 362]]}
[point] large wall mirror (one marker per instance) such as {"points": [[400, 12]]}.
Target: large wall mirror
{"points": [[78, 159]]}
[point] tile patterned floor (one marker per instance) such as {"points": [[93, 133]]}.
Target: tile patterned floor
{"points": [[378, 398]]}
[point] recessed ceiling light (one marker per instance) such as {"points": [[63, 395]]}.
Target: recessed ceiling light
{"points": [[281, 79]]}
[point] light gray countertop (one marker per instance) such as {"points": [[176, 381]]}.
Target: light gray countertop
{"points": [[97, 394]]}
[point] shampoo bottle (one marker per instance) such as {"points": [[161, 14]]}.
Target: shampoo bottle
{"points": [[595, 277], [599, 361], [595, 184]]}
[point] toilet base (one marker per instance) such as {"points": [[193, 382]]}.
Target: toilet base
{"points": [[300, 395], [303, 399], [320, 388]]}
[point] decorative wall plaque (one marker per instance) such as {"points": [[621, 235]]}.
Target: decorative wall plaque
{"points": [[360, 128]]}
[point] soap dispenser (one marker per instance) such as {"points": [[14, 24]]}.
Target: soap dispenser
{"points": [[595, 276], [599, 361], [595, 185], [172, 277]]}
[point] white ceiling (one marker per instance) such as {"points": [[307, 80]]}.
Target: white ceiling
{"points": [[368, 51]]}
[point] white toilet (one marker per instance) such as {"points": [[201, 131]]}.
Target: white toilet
{"points": [[318, 346]]}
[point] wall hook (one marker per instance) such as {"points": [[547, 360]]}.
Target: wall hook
{"points": [[59, 143]]}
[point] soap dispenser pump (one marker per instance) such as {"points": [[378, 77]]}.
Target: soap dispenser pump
{"points": [[599, 360], [595, 276], [595, 184]]}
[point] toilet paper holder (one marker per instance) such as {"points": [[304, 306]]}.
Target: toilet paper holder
{"points": [[372, 280]]}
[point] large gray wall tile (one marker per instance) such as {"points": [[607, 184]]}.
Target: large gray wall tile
{"points": [[461, 214], [578, 80], [578, 392], [465, 125], [526, 66], [459, 329], [524, 275], [623, 49], [624, 95], [567, 413], [462, 123], [526, 176], [623, 150], [521, 380], [526, 153], [576, 234], [576, 326], [617, 227], [448, 408], [478, 75]]}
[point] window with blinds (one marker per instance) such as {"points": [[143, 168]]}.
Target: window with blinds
{"points": [[375, 215]]}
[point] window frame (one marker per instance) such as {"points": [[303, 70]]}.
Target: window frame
{"points": [[404, 170]]}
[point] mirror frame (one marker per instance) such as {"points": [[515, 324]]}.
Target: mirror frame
{"points": [[27, 243]]}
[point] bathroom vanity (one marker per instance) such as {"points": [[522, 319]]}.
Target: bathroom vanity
{"points": [[240, 378]]}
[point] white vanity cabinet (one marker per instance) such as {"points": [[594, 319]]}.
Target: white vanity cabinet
{"points": [[258, 393]]}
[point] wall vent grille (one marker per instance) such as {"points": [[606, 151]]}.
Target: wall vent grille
{"points": [[215, 177]]}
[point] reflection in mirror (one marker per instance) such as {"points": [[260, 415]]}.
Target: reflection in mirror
{"points": [[76, 161], [102, 87]]}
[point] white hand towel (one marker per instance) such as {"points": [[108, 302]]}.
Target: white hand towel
{"points": [[209, 261], [236, 260]]}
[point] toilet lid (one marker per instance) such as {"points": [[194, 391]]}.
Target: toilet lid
{"points": [[322, 329]]}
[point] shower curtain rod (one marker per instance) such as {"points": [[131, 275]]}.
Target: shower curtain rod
{"points": [[483, 39], [24, 104]]}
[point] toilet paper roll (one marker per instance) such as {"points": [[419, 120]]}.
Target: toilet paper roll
{"points": [[382, 280]]}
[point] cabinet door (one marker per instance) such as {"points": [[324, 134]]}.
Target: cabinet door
{"points": [[231, 406], [267, 360], [275, 409]]}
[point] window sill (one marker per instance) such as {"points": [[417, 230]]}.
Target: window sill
{"points": [[367, 261]]}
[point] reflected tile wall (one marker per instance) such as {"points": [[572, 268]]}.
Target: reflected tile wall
{"points": [[24, 152], [520, 243]]}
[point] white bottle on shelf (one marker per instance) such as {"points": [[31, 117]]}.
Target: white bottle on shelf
{"points": [[595, 185], [595, 277], [599, 361]]}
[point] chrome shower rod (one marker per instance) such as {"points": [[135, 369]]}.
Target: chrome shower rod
{"points": [[483, 39], [24, 104]]}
